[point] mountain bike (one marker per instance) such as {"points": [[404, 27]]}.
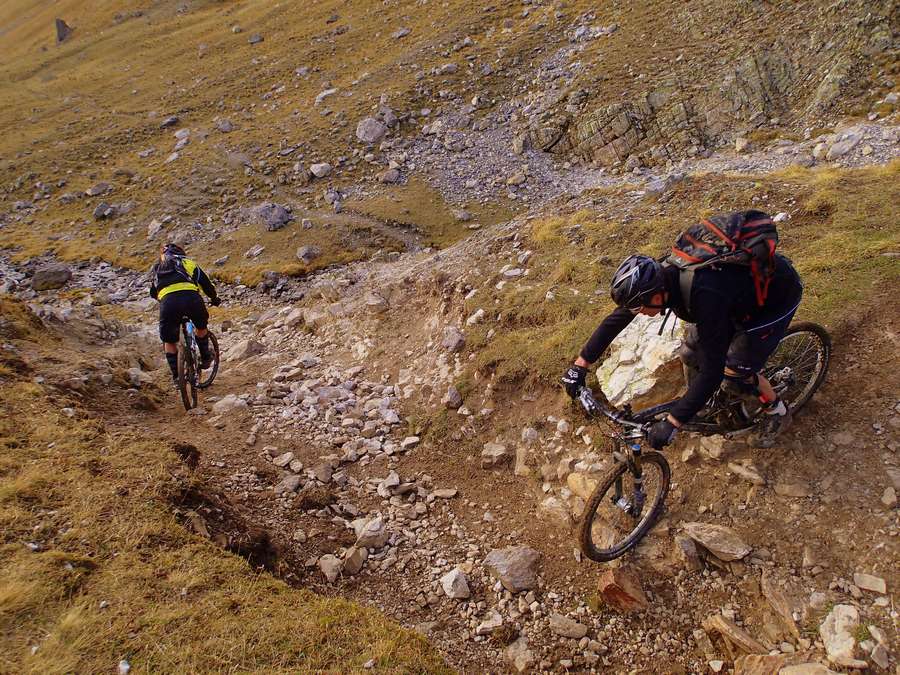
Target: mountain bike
{"points": [[190, 377], [630, 496]]}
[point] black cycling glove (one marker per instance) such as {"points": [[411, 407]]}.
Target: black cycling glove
{"points": [[573, 379], [661, 434]]}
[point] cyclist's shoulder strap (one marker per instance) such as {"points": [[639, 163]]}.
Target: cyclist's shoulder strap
{"points": [[685, 280], [686, 284]]}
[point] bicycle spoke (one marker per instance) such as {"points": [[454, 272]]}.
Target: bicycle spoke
{"points": [[614, 522]]}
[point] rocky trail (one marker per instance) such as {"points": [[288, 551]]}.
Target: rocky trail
{"points": [[406, 208], [309, 441]]}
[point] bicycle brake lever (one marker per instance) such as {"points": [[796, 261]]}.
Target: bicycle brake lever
{"points": [[587, 401]]}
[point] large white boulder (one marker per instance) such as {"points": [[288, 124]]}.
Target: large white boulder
{"points": [[637, 357]]}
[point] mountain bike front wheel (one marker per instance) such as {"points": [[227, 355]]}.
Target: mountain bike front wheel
{"points": [[187, 377], [618, 515]]}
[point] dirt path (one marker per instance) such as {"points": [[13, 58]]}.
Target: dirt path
{"points": [[841, 453]]}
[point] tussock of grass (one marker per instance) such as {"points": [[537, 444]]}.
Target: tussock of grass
{"points": [[842, 222], [97, 507]]}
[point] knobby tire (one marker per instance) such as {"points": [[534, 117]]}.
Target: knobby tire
{"points": [[585, 537], [212, 371]]}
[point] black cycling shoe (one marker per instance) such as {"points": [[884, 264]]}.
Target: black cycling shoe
{"points": [[771, 426], [205, 362]]}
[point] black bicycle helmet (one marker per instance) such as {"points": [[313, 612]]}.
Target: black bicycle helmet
{"points": [[174, 249], [637, 280]]}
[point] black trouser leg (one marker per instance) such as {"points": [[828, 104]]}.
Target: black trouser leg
{"points": [[172, 360], [203, 344]]}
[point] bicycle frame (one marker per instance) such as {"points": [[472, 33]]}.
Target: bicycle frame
{"points": [[631, 440]]}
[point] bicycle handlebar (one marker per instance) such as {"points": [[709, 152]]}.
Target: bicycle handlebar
{"points": [[594, 407]]}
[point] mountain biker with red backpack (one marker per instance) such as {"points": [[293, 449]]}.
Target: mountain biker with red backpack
{"points": [[724, 277], [176, 280]]}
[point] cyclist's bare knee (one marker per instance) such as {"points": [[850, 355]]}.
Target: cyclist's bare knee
{"points": [[170, 347]]}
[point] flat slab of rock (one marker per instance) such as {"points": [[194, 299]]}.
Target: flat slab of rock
{"points": [[566, 627], [721, 541], [515, 567], [273, 216], [244, 350], [838, 632], [716, 623], [50, 276], [621, 589], [370, 130], [493, 455], [868, 582]]}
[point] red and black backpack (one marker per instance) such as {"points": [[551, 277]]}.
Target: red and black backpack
{"points": [[747, 238]]}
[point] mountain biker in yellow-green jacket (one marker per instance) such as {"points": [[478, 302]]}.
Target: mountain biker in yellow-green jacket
{"points": [[176, 280]]}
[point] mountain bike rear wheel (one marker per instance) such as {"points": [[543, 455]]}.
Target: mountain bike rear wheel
{"points": [[798, 366], [187, 377], [612, 523], [206, 377]]}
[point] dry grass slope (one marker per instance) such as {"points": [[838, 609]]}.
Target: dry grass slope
{"points": [[98, 505], [842, 236]]}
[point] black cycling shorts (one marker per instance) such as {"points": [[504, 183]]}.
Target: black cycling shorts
{"points": [[180, 304], [754, 342]]}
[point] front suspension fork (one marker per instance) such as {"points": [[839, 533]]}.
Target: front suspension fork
{"points": [[632, 504]]}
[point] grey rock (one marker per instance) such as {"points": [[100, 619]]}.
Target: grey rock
{"points": [[225, 126], [321, 472], [254, 251], [331, 567], [519, 656], [104, 210], [230, 404], [455, 584], [273, 216], [306, 254], [289, 484], [452, 399], [50, 276], [723, 542], [453, 339], [170, 121], [868, 582], [838, 635], [566, 627], [354, 559], [515, 567], [255, 39], [842, 147], [244, 349], [370, 131], [401, 33], [320, 169], [490, 623], [63, 31], [97, 190], [283, 459], [493, 455], [390, 176], [373, 533]]}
